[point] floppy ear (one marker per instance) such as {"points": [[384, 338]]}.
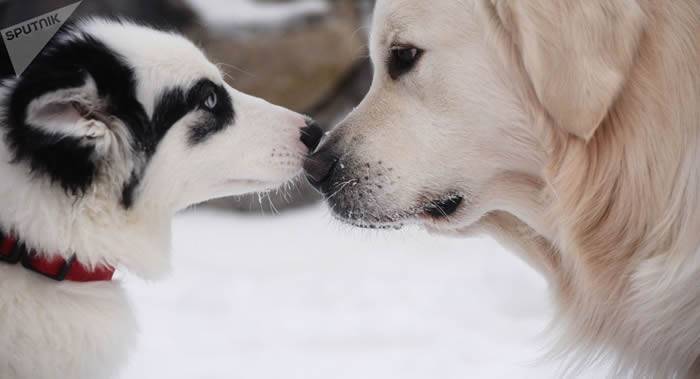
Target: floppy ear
{"points": [[76, 112], [57, 123], [578, 54]]}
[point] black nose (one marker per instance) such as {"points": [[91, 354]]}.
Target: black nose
{"points": [[311, 135], [319, 167]]}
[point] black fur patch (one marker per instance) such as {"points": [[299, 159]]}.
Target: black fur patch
{"points": [[64, 65], [217, 118], [175, 104], [129, 189]]}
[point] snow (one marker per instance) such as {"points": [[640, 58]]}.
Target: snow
{"points": [[241, 13], [301, 296]]}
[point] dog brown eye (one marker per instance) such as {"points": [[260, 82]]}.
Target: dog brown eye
{"points": [[211, 101], [402, 59]]}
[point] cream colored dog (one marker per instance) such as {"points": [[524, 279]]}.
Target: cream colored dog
{"points": [[570, 130]]}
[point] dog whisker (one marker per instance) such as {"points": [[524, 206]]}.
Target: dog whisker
{"points": [[228, 65]]}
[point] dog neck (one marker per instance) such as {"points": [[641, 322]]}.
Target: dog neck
{"points": [[517, 217], [13, 251], [94, 226]]}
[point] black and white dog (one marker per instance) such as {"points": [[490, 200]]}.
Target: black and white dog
{"points": [[109, 132]]}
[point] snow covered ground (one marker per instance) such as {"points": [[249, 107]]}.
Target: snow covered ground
{"points": [[301, 296]]}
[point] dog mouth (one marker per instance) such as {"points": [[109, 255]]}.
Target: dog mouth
{"points": [[386, 225], [248, 185], [438, 210], [272, 181], [443, 207], [250, 182]]}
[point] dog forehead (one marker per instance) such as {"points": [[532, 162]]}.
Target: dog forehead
{"points": [[160, 61], [154, 55], [415, 21]]}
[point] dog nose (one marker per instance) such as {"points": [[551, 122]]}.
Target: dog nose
{"points": [[311, 135], [319, 167]]}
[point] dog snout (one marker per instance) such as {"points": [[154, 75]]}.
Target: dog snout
{"points": [[319, 167], [311, 135]]}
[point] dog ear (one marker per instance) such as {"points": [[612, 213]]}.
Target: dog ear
{"points": [[74, 113], [577, 54], [57, 122], [77, 113]]}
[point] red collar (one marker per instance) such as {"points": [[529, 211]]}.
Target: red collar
{"points": [[54, 267]]}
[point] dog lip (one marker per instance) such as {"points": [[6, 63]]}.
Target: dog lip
{"points": [[376, 225], [443, 208], [434, 211], [248, 182]]}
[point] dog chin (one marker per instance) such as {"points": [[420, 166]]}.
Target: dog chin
{"points": [[237, 187], [446, 212], [464, 220], [376, 225]]}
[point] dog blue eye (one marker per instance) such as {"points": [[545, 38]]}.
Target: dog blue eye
{"points": [[211, 101], [402, 59]]}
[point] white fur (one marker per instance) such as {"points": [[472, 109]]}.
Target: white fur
{"points": [[73, 330]]}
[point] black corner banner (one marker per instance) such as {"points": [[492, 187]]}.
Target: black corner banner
{"points": [[27, 28]]}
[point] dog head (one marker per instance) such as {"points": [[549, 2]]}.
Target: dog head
{"points": [[450, 129], [141, 118]]}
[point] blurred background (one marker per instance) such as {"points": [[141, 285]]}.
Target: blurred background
{"points": [[268, 292]]}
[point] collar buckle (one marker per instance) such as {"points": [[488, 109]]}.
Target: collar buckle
{"points": [[11, 250], [53, 268]]}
